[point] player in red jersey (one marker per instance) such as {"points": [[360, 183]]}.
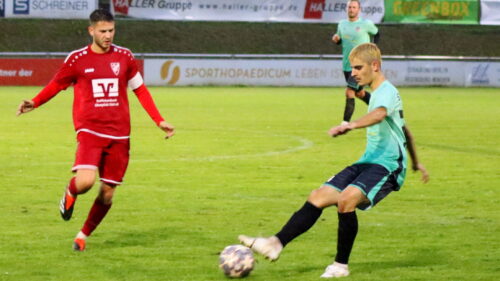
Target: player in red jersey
{"points": [[100, 74]]}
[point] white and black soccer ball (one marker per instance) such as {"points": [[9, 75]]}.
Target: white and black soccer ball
{"points": [[236, 261]]}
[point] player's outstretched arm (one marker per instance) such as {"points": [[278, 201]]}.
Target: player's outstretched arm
{"points": [[44, 96], [149, 105], [167, 128], [25, 107], [374, 117], [415, 165], [336, 39]]}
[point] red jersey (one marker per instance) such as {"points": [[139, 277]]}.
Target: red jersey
{"points": [[100, 104]]}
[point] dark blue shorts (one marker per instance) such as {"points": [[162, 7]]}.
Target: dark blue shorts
{"points": [[375, 181], [351, 82]]}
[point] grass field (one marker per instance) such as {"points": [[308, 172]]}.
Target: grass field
{"points": [[243, 160]]}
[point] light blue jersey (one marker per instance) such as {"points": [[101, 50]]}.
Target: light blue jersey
{"points": [[354, 33], [386, 144]]}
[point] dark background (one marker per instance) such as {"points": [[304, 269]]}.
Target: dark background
{"points": [[25, 35]]}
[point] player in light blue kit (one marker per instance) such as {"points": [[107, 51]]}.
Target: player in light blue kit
{"points": [[380, 170], [352, 32]]}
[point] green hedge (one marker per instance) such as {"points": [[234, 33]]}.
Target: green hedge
{"points": [[251, 38]]}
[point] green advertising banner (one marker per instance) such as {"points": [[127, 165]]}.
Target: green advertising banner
{"points": [[432, 11]]}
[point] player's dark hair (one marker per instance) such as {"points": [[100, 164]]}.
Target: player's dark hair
{"points": [[101, 15]]}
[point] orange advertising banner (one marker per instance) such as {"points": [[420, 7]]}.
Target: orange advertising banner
{"points": [[33, 72]]}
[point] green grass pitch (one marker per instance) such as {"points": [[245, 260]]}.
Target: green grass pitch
{"points": [[242, 161]]}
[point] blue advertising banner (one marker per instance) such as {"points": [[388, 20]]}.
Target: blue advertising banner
{"points": [[21, 7], [2, 8], [62, 9]]}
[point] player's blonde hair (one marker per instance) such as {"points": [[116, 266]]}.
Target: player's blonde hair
{"points": [[367, 52]]}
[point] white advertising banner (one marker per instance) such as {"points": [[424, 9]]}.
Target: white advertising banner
{"points": [[183, 72], [313, 72], [62, 9], [482, 74], [490, 12], [322, 11], [424, 73]]}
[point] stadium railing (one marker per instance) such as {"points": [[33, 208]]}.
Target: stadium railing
{"points": [[250, 56]]}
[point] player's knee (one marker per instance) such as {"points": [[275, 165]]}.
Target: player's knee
{"points": [[106, 193], [105, 198], [360, 94], [84, 184], [349, 93], [85, 179], [347, 202], [315, 197], [322, 197]]}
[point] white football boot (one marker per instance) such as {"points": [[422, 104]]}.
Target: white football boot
{"points": [[269, 247], [335, 270]]}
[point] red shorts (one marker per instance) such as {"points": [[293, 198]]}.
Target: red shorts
{"points": [[109, 156]]}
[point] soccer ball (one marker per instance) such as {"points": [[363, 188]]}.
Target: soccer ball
{"points": [[236, 261]]}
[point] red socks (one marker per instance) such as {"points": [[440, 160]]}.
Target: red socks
{"points": [[72, 187], [96, 214]]}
